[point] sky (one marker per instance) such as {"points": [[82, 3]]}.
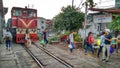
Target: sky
{"points": [[46, 8]]}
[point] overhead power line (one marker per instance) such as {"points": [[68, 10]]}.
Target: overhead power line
{"points": [[80, 3]]}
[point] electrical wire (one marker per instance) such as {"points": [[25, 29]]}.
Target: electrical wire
{"points": [[80, 3]]}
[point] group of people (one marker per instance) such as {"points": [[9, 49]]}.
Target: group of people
{"points": [[106, 42], [105, 38]]}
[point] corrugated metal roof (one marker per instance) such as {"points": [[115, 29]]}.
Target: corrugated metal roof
{"points": [[106, 10]]}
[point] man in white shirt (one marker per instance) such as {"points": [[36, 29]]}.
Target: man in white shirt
{"points": [[71, 37]]}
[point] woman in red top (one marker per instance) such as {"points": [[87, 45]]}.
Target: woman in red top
{"points": [[90, 42]]}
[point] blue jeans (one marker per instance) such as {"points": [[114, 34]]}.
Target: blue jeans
{"points": [[71, 49], [90, 46], [8, 44]]}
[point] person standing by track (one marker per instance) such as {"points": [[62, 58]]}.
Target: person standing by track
{"points": [[8, 38], [27, 39], [45, 36]]}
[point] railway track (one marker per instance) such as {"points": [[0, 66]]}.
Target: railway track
{"points": [[34, 57], [46, 59]]}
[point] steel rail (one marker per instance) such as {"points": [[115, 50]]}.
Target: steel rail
{"points": [[40, 64], [55, 57]]}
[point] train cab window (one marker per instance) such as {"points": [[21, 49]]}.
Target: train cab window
{"points": [[32, 14], [25, 13], [17, 12]]}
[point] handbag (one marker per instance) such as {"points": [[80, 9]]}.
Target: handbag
{"points": [[70, 46], [42, 42], [111, 49]]}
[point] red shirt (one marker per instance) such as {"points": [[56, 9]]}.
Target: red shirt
{"points": [[90, 39]]}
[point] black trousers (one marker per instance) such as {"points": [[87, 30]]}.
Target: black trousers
{"points": [[100, 50], [46, 41]]}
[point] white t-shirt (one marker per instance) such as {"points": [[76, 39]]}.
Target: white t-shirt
{"points": [[71, 38]]}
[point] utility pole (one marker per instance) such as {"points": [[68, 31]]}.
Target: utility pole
{"points": [[85, 19], [1, 18], [72, 3]]}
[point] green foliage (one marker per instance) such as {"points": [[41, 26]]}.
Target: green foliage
{"points": [[69, 19], [67, 33], [115, 24], [91, 3], [77, 38], [54, 39]]}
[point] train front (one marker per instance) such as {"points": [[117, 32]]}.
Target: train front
{"points": [[24, 19]]}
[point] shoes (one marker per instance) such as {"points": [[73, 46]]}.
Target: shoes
{"points": [[98, 57], [106, 61], [85, 53], [9, 48], [103, 60]]}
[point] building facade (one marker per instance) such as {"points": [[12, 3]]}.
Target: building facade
{"points": [[3, 11], [49, 24], [42, 24], [108, 4]]}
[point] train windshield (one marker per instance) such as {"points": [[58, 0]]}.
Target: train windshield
{"points": [[29, 14], [17, 13]]}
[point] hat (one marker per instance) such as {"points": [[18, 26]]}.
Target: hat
{"points": [[108, 30]]}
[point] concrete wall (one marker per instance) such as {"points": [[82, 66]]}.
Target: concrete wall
{"points": [[95, 28], [0, 26]]}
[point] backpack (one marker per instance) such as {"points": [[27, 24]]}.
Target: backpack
{"points": [[86, 40], [68, 40], [98, 42], [7, 37]]}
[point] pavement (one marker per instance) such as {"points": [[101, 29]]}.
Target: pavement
{"points": [[7, 58], [18, 58]]}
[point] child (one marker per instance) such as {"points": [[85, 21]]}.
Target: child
{"points": [[102, 39]]}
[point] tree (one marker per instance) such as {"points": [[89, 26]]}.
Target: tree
{"points": [[91, 3], [115, 24], [69, 19]]}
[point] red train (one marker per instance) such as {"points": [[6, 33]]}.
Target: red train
{"points": [[23, 19]]}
